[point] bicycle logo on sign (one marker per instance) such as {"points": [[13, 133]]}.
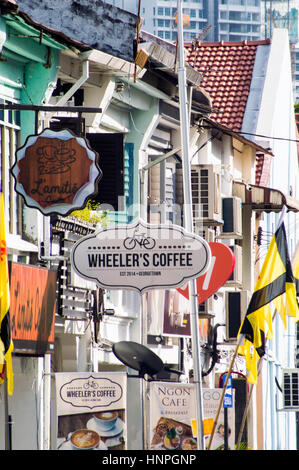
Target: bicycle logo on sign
{"points": [[139, 239], [90, 384]]}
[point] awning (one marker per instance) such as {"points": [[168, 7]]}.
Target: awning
{"points": [[264, 199], [15, 245]]}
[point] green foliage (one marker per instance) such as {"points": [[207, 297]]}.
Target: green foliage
{"points": [[243, 446], [91, 214]]}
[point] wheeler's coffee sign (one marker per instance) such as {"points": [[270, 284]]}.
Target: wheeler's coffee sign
{"points": [[141, 256], [91, 392], [56, 172]]}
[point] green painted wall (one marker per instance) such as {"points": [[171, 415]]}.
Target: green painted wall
{"points": [[30, 61]]}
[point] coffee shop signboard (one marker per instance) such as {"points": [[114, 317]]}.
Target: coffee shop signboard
{"points": [[141, 256], [56, 172], [91, 410]]}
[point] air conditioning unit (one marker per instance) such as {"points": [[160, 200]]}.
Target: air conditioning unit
{"points": [[236, 276], [290, 388], [236, 303], [206, 194], [232, 218], [204, 232], [206, 308]]}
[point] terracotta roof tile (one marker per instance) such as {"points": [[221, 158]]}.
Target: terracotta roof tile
{"points": [[227, 72]]}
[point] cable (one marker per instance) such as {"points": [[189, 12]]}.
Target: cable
{"points": [[249, 133]]}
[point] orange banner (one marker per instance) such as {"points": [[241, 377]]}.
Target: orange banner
{"points": [[32, 306]]}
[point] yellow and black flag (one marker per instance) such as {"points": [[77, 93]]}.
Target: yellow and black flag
{"points": [[6, 345], [275, 284], [296, 270]]}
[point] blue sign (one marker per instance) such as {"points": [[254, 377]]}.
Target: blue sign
{"points": [[228, 397]]}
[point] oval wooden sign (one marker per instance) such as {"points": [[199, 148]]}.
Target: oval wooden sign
{"points": [[56, 172]]}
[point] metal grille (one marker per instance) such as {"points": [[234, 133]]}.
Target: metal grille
{"points": [[291, 388]]}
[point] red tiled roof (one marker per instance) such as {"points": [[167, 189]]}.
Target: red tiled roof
{"points": [[227, 71], [262, 168]]}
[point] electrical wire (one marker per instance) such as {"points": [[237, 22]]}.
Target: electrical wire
{"points": [[250, 133]]}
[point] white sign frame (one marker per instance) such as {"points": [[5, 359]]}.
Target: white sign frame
{"points": [[141, 256]]}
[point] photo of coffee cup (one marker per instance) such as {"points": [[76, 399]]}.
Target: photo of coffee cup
{"points": [[106, 420], [85, 439]]}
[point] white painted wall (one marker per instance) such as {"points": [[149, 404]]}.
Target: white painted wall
{"points": [[276, 119], [23, 405]]}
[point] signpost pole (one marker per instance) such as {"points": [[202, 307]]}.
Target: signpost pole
{"points": [[227, 403], [184, 116]]}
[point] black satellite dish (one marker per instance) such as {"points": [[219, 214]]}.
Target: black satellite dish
{"points": [[140, 358]]}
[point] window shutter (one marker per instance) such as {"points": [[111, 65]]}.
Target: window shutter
{"points": [[110, 148]]}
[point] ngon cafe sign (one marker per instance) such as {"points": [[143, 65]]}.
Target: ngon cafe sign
{"points": [[56, 172], [141, 256]]}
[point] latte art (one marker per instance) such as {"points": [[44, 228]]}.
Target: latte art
{"points": [[85, 439]]}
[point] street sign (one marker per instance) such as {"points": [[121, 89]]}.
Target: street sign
{"points": [[228, 396], [220, 269], [141, 256]]}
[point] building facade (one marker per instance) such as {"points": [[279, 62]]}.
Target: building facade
{"points": [[136, 133]]}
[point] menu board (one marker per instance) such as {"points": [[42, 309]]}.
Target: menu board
{"points": [[172, 415]]}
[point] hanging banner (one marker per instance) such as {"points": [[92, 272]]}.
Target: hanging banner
{"points": [[56, 172], [176, 319], [141, 256], [91, 410], [172, 417], [168, 314]]}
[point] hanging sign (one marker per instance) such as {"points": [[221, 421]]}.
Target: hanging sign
{"points": [[56, 172], [220, 269], [32, 308], [141, 256], [228, 396]]}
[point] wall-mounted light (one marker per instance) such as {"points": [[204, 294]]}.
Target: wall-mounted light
{"points": [[119, 86]]}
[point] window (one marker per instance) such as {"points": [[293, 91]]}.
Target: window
{"points": [[9, 143]]}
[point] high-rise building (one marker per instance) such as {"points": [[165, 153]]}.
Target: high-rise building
{"points": [[284, 14], [212, 20], [221, 20]]}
